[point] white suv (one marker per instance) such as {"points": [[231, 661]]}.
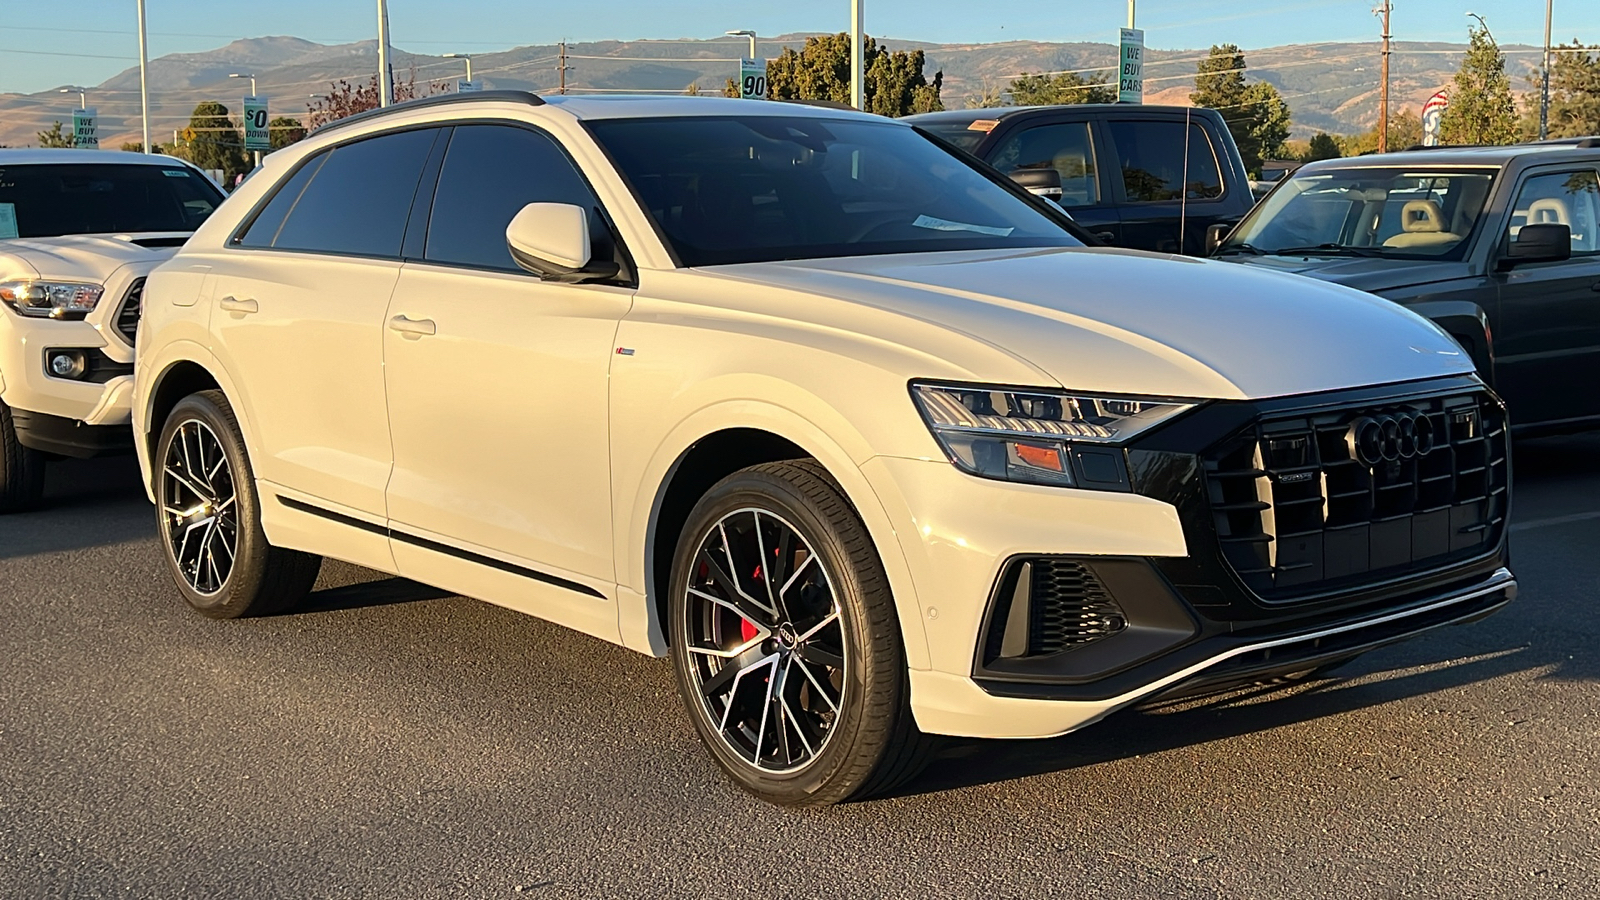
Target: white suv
{"points": [[79, 231], [856, 432]]}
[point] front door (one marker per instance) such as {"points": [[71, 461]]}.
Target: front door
{"points": [[1547, 339], [497, 386]]}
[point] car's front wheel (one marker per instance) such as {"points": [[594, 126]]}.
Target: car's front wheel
{"points": [[21, 469], [210, 518], [786, 643]]}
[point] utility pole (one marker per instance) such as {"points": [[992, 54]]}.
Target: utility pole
{"points": [[561, 69], [1130, 14], [144, 79], [385, 76], [1383, 93], [1544, 87], [858, 50]]}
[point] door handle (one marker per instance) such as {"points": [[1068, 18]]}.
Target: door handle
{"points": [[1595, 287], [413, 328], [1105, 237], [238, 306]]}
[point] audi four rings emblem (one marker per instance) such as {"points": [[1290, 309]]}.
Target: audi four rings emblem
{"points": [[1390, 438]]}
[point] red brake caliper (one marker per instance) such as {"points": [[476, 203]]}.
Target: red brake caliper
{"points": [[747, 628]]}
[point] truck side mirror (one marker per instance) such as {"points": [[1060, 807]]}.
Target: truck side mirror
{"points": [[1040, 182], [1545, 242], [1215, 235]]}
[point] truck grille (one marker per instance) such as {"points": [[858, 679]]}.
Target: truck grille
{"points": [[1310, 501], [127, 322]]}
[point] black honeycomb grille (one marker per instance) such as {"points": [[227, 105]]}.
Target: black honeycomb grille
{"points": [[127, 322], [1300, 507]]}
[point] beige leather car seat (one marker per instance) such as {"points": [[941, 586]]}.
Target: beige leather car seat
{"points": [[1549, 211], [1422, 225]]}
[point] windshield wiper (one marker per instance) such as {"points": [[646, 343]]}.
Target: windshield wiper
{"points": [[1327, 249], [1240, 247]]}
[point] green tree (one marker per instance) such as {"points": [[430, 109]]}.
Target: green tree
{"points": [[1323, 146], [1574, 92], [1481, 110], [138, 147], [1405, 130], [1257, 116], [894, 84], [1067, 87], [988, 97], [283, 131], [55, 138], [217, 141]]}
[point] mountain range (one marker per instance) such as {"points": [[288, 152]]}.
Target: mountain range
{"points": [[1329, 86]]}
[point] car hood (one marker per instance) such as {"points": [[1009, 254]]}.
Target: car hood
{"points": [[1119, 321], [1363, 274], [82, 257]]}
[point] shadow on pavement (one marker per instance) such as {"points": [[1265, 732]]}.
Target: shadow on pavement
{"points": [[381, 592], [87, 503]]}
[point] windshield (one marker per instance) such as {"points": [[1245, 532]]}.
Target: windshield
{"points": [[1401, 213], [47, 200], [759, 188]]}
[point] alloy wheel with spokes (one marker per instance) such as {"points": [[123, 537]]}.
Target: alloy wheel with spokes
{"points": [[210, 517], [763, 625], [199, 506]]}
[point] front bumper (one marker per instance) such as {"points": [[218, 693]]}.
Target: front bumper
{"points": [[1164, 602], [100, 400]]}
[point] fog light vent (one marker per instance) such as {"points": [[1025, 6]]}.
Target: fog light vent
{"points": [[1048, 604]]}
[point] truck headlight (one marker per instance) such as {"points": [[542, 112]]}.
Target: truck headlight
{"points": [[1039, 436], [51, 299]]}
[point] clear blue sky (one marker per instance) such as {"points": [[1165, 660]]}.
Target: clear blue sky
{"points": [[44, 44]]}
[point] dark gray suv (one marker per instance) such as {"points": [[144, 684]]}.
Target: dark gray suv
{"points": [[1499, 245]]}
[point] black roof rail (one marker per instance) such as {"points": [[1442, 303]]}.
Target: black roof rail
{"points": [[527, 97]]}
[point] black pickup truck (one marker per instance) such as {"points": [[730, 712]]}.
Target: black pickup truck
{"points": [[1498, 245], [1143, 177]]}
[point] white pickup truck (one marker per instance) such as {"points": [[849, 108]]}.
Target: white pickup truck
{"points": [[79, 231]]}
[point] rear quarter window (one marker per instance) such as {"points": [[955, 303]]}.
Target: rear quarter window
{"points": [[1160, 163]]}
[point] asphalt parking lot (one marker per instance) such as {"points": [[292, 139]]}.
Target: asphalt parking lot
{"points": [[394, 741]]}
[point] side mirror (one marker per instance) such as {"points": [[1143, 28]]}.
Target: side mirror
{"points": [[551, 240], [1040, 182], [1545, 242], [1215, 235]]}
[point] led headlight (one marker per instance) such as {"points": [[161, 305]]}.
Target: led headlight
{"points": [[1038, 436], [51, 299]]}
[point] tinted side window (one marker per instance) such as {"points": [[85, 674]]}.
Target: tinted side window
{"points": [[490, 172], [1153, 165], [358, 199], [1563, 198], [1064, 147], [264, 230]]}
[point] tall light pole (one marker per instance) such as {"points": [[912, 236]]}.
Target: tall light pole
{"points": [[144, 82], [1383, 92], [465, 56], [385, 77], [858, 51], [1544, 86], [745, 34], [1130, 14], [82, 92], [248, 75], [1482, 24]]}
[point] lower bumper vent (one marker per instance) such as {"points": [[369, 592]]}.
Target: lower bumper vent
{"points": [[1045, 605]]}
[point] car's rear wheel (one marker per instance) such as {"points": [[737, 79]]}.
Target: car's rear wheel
{"points": [[210, 518], [21, 469], [786, 643]]}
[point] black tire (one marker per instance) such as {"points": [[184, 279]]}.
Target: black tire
{"points": [[21, 469], [260, 579], [871, 744]]}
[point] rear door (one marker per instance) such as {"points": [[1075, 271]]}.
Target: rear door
{"points": [[1069, 145], [299, 302], [1547, 340], [1167, 177]]}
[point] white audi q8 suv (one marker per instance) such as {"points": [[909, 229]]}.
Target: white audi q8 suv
{"points": [[850, 427], [79, 231]]}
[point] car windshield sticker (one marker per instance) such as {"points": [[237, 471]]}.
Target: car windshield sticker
{"points": [[175, 173], [8, 220], [947, 225]]}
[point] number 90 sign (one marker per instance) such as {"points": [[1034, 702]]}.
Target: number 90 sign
{"points": [[752, 79]]}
